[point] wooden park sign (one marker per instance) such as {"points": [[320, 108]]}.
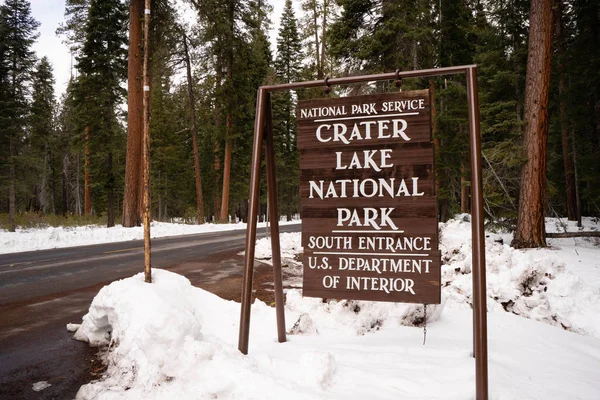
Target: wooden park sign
{"points": [[368, 202], [369, 211]]}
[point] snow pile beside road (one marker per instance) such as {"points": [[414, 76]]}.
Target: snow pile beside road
{"points": [[55, 237], [169, 340]]}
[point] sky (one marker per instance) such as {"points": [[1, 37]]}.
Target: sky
{"points": [[50, 13]]}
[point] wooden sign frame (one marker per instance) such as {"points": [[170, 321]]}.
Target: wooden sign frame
{"points": [[263, 132]]}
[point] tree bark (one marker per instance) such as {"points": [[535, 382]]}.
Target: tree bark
{"points": [[464, 188], [229, 119], [573, 234], [226, 177], [217, 163], [87, 195], [530, 230], [110, 192], [567, 148], [133, 166], [11, 190], [64, 184], [194, 131], [146, 145]]}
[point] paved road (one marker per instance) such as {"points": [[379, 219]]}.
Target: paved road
{"points": [[42, 291]]}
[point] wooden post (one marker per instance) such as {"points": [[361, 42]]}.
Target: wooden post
{"points": [[146, 145], [274, 217], [478, 242], [246, 301]]}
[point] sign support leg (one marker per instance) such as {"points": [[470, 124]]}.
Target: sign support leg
{"points": [[274, 217], [478, 244], [246, 300]]}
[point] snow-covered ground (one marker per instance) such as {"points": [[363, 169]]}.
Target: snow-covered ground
{"points": [[170, 340], [55, 237]]}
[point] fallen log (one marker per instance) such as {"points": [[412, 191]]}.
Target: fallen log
{"points": [[572, 234]]}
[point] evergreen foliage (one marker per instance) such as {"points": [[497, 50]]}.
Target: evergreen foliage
{"points": [[17, 60], [231, 57], [98, 93]]}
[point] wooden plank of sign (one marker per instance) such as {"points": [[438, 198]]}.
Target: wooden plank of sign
{"points": [[367, 189], [376, 285]]}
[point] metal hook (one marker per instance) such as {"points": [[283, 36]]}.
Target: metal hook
{"points": [[327, 87], [398, 80]]}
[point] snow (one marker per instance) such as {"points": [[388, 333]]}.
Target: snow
{"points": [[56, 237], [39, 386], [170, 339]]}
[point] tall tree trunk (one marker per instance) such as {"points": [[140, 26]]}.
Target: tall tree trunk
{"points": [[64, 184], [226, 176], [567, 148], [464, 188], [146, 145], [78, 188], [217, 163], [229, 119], [194, 132], [87, 197], [44, 184], [133, 165], [11, 190], [530, 230], [110, 192]]}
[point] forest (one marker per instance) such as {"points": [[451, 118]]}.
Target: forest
{"points": [[81, 155]]}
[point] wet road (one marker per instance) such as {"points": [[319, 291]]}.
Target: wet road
{"points": [[42, 291]]}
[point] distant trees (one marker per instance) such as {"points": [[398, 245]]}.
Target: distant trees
{"points": [[97, 94], [202, 124], [17, 60]]}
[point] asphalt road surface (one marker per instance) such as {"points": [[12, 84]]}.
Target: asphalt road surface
{"points": [[42, 291]]}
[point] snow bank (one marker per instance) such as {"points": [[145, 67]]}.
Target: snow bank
{"points": [[55, 237], [169, 339], [536, 284]]}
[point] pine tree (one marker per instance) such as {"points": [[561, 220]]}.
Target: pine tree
{"points": [[531, 230], [17, 35], [42, 139], [133, 166], [102, 64], [287, 69], [374, 36]]}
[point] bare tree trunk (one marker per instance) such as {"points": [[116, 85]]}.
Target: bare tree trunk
{"points": [[64, 184], [229, 120], [87, 197], [110, 192], [569, 167], [133, 167], [78, 189], [530, 230], [464, 188], [217, 163], [194, 132], [44, 184], [146, 145], [226, 176], [11, 190]]}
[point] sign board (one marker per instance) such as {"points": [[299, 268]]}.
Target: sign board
{"points": [[367, 188]]}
